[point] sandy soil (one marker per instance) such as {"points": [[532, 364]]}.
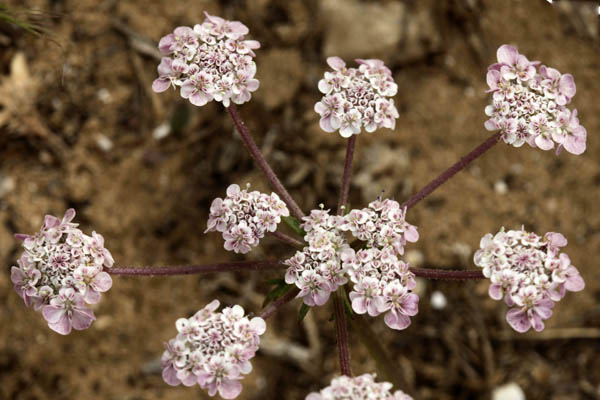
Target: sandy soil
{"points": [[80, 131]]}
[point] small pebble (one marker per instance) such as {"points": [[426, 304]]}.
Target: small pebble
{"points": [[438, 300], [510, 391]]}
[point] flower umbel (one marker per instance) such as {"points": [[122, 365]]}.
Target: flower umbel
{"points": [[529, 105], [357, 97], [213, 349], [317, 269], [211, 61], [382, 284], [60, 270], [529, 272], [244, 217], [361, 387], [382, 224]]}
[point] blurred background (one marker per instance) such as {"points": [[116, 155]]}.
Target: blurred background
{"points": [[80, 127]]}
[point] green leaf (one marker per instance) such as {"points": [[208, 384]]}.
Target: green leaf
{"points": [[304, 309], [294, 225], [279, 290]]}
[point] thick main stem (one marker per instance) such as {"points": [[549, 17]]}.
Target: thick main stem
{"points": [[447, 274], [262, 163], [453, 170], [343, 200], [341, 332], [196, 269], [277, 304]]}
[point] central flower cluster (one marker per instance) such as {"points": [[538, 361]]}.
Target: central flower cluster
{"points": [[356, 97], [381, 224], [213, 349], [529, 106], [382, 282], [60, 270], [244, 217], [212, 61], [529, 272], [317, 269], [361, 387]]}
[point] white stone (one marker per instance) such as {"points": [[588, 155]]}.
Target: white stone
{"points": [[510, 391]]}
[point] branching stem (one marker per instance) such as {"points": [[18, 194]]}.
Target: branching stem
{"points": [[453, 170], [262, 163]]}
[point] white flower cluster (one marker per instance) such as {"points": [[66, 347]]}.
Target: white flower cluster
{"points": [[382, 284], [213, 349], [361, 387], [529, 272], [382, 224], [356, 97], [60, 270], [530, 107], [317, 270], [244, 217], [212, 61]]}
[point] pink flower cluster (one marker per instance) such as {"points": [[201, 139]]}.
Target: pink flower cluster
{"points": [[529, 272], [60, 270], [382, 224], [529, 106], [213, 349], [361, 387], [382, 284], [356, 97], [317, 269], [212, 61], [244, 217]]}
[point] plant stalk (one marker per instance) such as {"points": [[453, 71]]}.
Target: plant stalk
{"points": [[262, 163], [453, 170]]}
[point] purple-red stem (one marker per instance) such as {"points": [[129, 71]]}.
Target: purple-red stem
{"points": [[295, 243], [262, 163], [343, 200], [341, 328], [453, 170], [447, 274], [341, 333], [196, 269], [277, 304]]}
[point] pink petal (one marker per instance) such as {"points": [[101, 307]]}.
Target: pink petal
{"points": [[574, 282], [495, 291], [169, 375], [102, 282], [82, 318], [396, 320], [17, 276], [161, 84], [336, 63], [53, 314], [566, 85], [507, 54], [230, 389], [359, 305], [518, 320]]}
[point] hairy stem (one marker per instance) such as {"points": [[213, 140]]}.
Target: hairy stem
{"points": [[447, 274], [388, 369], [262, 163], [453, 170], [341, 332], [295, 243], [343, 200], [196, 269], [277, 304]]}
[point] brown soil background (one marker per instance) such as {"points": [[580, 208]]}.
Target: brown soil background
{"points": [[87, 84]]}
